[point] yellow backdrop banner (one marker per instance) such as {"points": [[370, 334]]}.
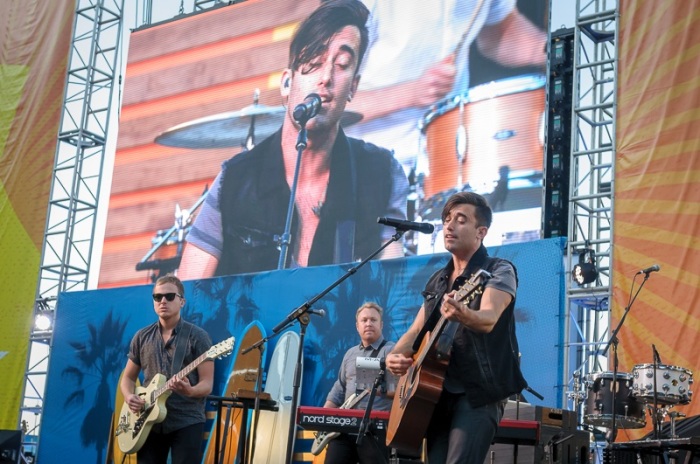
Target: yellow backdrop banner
{"points": [[35, 38], [657, 188]]}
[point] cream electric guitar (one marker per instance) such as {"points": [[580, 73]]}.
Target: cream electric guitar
{"points": [[133, 429], [322, 438]]}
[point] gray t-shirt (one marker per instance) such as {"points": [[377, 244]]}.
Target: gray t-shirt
{"points": [[148, 351]]}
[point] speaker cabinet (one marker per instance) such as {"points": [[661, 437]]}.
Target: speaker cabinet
{"points": [[10, 446]]}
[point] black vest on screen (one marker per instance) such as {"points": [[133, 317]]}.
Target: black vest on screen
{"points": [[254, 200]]}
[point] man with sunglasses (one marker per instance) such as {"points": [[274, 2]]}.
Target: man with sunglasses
{"points": [[153, 351]]}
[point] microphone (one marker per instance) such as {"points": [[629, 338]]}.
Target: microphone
{"points": [[318, 312], [307, 109], [399, 224], [370, 363], [650, 269]]}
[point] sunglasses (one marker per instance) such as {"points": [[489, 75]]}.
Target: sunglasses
{"points": [[157, 297]]}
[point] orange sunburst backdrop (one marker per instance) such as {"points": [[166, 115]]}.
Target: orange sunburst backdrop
{"points": [[657, 186]]}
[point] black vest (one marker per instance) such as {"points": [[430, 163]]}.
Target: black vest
{"points": [[254, 199], [485, 365]]}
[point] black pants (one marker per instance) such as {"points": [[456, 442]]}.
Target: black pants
{"points": [[344, 450], [185, 444]]}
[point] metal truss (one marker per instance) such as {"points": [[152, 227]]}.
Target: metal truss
{"points": [[591, 189], [77, 176]]}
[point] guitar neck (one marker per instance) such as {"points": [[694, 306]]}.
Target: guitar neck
{"points": [[466, 293], [180, 375]]}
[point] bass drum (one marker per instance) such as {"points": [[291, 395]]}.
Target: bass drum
{"points": [[602, 388], [495, 128]]}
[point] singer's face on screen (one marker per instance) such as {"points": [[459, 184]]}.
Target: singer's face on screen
{"points": [[332, 75], [369, 325]]}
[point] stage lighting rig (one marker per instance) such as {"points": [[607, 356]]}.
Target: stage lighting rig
{"points": [[585, 271]]}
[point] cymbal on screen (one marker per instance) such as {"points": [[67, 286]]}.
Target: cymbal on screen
{"points": [[233, 128]]}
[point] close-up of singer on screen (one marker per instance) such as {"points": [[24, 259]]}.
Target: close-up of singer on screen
{"points": [[308, 194]]}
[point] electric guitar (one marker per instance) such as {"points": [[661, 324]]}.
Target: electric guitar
{"points": [[419, 389], [323, 438], [133, 428]]}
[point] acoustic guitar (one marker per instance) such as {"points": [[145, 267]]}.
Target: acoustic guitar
{"points": [[419, 389]]}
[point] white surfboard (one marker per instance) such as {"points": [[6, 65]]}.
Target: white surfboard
{"points": [[273, 426]]}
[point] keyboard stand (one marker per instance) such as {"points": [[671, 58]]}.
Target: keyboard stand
{"points": [[245, 402]]}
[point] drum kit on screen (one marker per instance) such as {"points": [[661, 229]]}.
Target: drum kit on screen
{"points": [[489, 140], [625, 397]]}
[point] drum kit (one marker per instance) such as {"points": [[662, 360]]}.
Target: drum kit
{"points": [[624, 397]]}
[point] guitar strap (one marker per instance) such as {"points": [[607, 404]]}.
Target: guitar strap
{"points": [[182, 340], [376, 352]]}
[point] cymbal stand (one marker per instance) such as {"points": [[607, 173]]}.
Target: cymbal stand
{"points": [[614, 342], [183, 219], [250, 138]]}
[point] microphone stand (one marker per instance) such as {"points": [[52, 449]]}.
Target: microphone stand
{"points": [[614, 342], [364, 424], [285, 239], [301, 314]]}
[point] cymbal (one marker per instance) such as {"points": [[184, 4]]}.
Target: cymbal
{"points": [[231, 129]]}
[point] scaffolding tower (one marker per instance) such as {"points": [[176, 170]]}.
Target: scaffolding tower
{"points": [[591, 190], [75, 188]]}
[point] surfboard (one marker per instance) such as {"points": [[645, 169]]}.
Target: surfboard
{"points": [[273, 426], [243, 376], [114, 454]]}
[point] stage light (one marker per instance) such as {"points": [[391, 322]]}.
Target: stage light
{"points": [[44, 315], [585, 271], [43, 321]]}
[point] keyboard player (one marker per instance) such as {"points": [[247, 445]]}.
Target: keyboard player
{"points": [[372, 449]]}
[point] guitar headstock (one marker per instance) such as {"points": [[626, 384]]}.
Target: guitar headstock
{"points": [[473, 286], [221, 349]]}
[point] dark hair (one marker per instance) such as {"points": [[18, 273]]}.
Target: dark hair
{"points": [[483, 210], [171, 279], [315, 32]]}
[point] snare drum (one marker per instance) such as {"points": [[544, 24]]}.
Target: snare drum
{"points": [[629, 414], [494, 125], [672, 384]]}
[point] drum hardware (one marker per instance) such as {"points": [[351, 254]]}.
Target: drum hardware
{"points": [[234, 129], [169, 240], [577, 394], [461, 143], [674, 415]]}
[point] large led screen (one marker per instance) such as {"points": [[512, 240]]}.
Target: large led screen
{"points": [[455, 89]]}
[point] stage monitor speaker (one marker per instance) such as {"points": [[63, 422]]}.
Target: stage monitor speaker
{"points": [[10, 446], [556, 446]]}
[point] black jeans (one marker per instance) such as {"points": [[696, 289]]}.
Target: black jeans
{"points": [[343, 450], [185, 445]]}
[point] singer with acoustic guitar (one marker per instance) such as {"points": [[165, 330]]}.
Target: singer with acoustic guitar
{"points": [[465, 376], [343, 184], [163, 348]]}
